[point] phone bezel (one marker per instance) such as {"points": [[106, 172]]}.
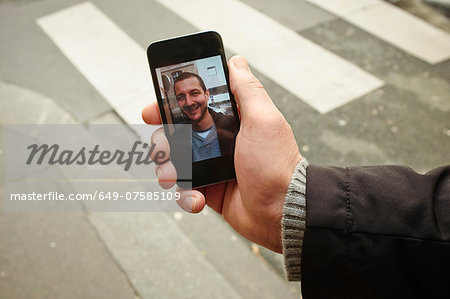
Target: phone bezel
{"points": [[188, 48]]}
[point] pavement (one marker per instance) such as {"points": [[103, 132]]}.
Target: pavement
{"points": [[405, 120]]}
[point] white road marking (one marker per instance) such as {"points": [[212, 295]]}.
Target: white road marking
{"points": [[343, 7], [116, 65], [112, 62], [394, 26], [320, 78]]}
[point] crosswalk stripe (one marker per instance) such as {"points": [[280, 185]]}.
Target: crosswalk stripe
{"points": [[394, 26], [112, 62], [318, 77], [116, 66]]}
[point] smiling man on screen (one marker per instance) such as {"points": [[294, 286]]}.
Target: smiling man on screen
{"points": [[212, 133]]}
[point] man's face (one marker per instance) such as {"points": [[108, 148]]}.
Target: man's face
{"points": [[191, 98]]}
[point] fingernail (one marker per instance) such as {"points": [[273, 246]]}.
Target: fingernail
{"points": [[158, 173], [194, 202], [190, 202]]}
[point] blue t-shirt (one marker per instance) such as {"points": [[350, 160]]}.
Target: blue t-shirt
{"points": [[205, 144]]}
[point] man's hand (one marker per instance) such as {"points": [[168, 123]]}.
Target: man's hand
{"points": [[265, 157]]}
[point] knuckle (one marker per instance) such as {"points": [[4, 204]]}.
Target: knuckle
{"points": [[254, 83]]}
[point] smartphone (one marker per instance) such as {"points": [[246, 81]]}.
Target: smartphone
{"points": [[190, 77]]}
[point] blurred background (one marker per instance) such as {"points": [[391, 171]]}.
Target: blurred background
{"points": [[361, 82], [210, 71]]}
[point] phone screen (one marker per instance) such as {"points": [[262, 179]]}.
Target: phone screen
{"points": [[196, 92]]}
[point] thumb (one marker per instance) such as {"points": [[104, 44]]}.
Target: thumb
{"points": [[246, 88]]}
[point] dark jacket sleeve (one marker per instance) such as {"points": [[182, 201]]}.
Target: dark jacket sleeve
{"points": [[376, 232]]}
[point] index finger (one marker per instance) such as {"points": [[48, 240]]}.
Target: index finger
{"points": [[150, 114]]}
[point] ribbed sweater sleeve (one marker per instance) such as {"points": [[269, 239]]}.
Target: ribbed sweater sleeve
{"points": [[293, 221]]}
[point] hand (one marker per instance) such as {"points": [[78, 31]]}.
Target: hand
{"points": [[265, 157]]}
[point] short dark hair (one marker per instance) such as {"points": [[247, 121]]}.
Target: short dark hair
{"points": [[187, 75]]}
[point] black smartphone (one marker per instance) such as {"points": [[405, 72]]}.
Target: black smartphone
{"points": [[190, 77]]}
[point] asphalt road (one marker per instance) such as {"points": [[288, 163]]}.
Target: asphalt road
{"points": [[404, 121]]}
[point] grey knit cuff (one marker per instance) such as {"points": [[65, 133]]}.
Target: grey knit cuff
{"points": [[294, 221]]}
